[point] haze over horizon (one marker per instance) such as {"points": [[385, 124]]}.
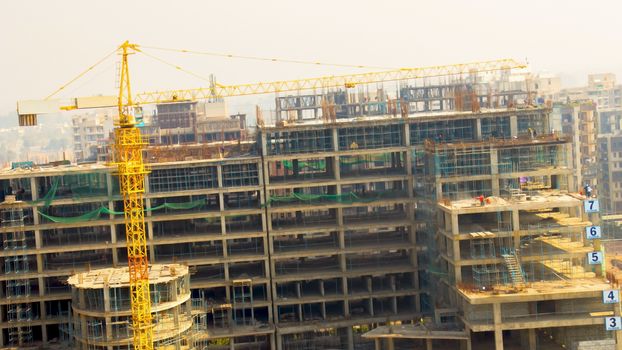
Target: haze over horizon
{"points": [[45, 44]]}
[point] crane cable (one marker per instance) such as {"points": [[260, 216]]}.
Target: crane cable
{"points": [[265, 59], [80, 75], [175, 66]]}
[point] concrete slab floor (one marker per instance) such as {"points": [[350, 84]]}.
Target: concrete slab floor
{"points": [[488, 343]]}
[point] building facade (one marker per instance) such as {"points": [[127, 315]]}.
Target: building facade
{"points": [[463, 218], [88, 133]]}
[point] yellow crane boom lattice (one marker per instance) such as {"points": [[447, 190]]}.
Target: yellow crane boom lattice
{"points": [[129, 159]]}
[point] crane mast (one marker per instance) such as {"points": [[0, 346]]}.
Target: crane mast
{"points": [[131, 170]]}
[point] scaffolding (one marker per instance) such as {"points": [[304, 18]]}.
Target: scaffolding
{"points": [[370, 137], [14, 239], [244, 312], [101, 301]]}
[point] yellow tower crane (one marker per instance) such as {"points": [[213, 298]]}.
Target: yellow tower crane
{"points": [[129, 146]]}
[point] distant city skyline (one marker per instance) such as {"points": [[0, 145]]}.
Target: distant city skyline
{"points": [[48, 43]]}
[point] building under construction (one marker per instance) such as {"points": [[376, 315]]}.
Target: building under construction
{"points": [[447, 218]]}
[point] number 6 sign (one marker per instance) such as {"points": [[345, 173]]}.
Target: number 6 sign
{"points": [[592, 232]]}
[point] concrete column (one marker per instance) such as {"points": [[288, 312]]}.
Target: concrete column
{"points": [[39, 263], [494, 171], [219, 175], [336, 168], [152, 255], [377, 343], [350, 339], [148, 226], [38, 242], [439, 188], [109, 183], [572, 186], [390, 344], [225, 250], [428, 344], [106, 292], [44, 334], [513, 126], [223, 225], [496, 311], [113, 240], [409, 170], [515, 220], [617, 311], [466, 344], [42, 289], [531, 342], [335, 140], [455, 230], [447, 220], [221, 201], [34, 190], [279, 341], [478, 129], [514, 214], [42, 311], [455, 245]]}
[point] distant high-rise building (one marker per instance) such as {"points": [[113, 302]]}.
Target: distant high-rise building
{"points": [[194, 122], [606, 97], [578, 121], [88, 132]]}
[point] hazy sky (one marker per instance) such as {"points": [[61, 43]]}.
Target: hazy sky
{"points": [[43, 44]]}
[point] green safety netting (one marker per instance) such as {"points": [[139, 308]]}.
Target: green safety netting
{"points": [[179, 206], [75, 186], [49, 196], [374, 158], [320, 165], [349, 197], [94, 214], [436, 270]]}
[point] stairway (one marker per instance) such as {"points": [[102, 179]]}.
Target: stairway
{"points": [[514, 268]]}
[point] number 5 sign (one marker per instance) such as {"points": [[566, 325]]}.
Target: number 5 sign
{"points": [[595, 258], [613, 323]]}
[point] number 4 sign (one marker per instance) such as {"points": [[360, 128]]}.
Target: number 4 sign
{"points": [[591, 206], [611, 296], [613, 323]]}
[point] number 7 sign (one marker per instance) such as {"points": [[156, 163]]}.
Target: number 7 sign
{"points": [[591, 206]]}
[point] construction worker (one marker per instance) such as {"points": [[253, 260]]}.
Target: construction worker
{"points": [[481, 199], [588, 190]]}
